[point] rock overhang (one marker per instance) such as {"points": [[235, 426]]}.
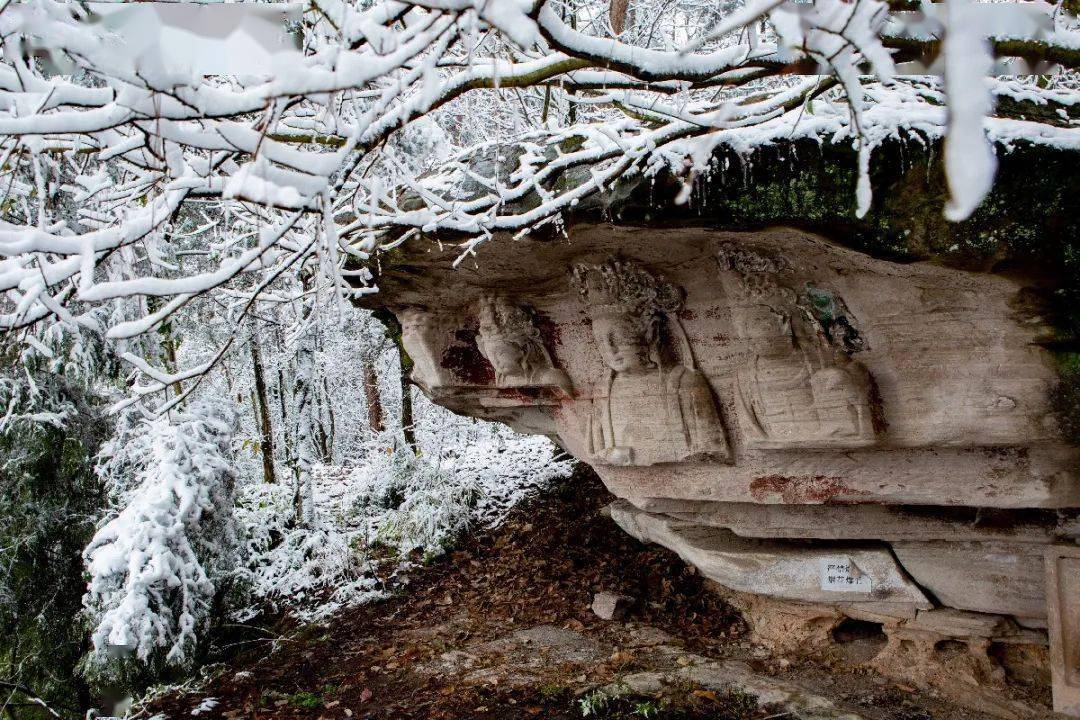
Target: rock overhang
{"points": [[1028, 226], [774, 387]]}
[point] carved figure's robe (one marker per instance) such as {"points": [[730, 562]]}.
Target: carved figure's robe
{"points": [[785, 402], [661, 416]]}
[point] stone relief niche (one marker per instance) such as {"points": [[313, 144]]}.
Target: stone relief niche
{"points": [[800, 387], [649, 407], [509, 339], [457, 354]]}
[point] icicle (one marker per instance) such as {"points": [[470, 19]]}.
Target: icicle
{"points": [[864, 193]]}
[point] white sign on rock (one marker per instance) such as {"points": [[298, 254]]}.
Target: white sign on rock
{"points": [[839, 574]]}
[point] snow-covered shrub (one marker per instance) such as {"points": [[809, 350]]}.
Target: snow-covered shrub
{"points": [[467, 475], [153, 566], [124, 455], [406, 502], [311, 570]]}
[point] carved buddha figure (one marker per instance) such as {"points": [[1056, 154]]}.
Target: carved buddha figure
{"points": [[424, 337], [797, 390], [512, 344], [645, 410]]}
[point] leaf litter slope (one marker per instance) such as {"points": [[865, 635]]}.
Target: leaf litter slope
{"points": [[502, 628]]}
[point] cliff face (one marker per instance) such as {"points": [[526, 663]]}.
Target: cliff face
{"points": [[873, 417]]}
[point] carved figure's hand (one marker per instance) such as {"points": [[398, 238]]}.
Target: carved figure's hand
{"points": [[616, 456]]}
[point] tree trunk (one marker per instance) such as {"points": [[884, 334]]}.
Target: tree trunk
{"points": [[618, 15], [572, 108], [284, 410], [303, 499], [168, 345], [322, 437], [406, 402], [330, 429], [374, 400], [266, 441]]}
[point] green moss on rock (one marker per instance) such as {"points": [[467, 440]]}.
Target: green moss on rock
{"points": [[1065, 398]]}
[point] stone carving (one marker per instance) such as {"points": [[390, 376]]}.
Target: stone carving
{"points": [[646, 410], [1063, 595], [800, 388], [510, 341], [424, 336]]}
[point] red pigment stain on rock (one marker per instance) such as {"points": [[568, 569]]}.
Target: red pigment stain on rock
{"points": [[464, 360], [550, 332], [802, 489], [687, 314], [526, 395], [721, 339]]}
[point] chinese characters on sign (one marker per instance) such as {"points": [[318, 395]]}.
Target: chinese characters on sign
{"points": [[839, 574]]}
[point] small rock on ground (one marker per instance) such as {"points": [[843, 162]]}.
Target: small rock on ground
{"points": [[611, 606]]}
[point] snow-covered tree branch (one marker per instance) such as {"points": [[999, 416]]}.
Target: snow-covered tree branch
{"points": [[132, 192], [153, 566]]}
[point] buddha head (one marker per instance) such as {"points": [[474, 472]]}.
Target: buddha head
{"points": [[626, 342], [626, 305], [423, 335], [418, 326], [767, 317]]}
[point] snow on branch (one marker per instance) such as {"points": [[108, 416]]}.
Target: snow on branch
{"points": [[149, 189]]}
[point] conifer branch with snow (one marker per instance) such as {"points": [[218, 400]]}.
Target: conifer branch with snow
{"points": [[154, 565]]}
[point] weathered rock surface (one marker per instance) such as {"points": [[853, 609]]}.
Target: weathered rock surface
{"points": [[1063, 589], [855, 574], [794, 417], [1002, 578], [787, 697], [524, 656], [519, 658]]}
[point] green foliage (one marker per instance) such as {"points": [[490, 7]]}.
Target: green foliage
{"points": [[740, 703], [553, 689], [616, 703], [596, 703], [683, 699], [648, 708], [50, 501], [305, 700]]}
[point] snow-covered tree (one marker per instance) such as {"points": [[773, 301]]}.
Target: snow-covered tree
{"points": [[154, 565]]}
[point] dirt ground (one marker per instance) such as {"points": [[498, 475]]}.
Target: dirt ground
{"points": [[502, 628]]}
